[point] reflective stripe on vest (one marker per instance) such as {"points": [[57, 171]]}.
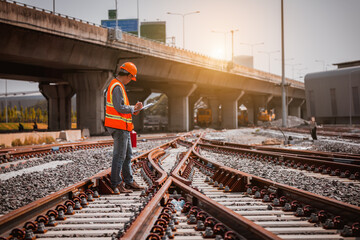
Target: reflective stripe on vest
{"points": [[113, 118]]}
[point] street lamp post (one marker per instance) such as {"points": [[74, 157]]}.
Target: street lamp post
{"points": [[300, 72], [283, 95], [322, 62], [232, 44], [252, 45], [6, 114], [293, 67], [116, 17], [138, 19], [183, 17], [269, 53]]}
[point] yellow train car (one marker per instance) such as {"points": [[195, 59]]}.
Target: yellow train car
{"points": [[203, 117], [266, 116], [243, 118]]}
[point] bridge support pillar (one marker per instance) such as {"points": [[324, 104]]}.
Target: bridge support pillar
{"points": [[192, 101], [89, 88], [178, 100], [214, 106], [59, 105], [135, 96], [229, 108], [251, 112], [295, 107]]}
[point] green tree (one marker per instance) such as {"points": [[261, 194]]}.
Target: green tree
{"points": [[45, 116], [73, 116], [11, 114], [26, 115], [22, 113], [32, 114], [38, 114]]}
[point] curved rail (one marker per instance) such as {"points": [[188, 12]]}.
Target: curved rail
{"points": [[193, 186], [16, 218]]}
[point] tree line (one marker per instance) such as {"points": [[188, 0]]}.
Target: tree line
{"points": [[27, 114]]}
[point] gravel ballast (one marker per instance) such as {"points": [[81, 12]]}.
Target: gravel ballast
{"points": [[346, 192], [25, 188]]}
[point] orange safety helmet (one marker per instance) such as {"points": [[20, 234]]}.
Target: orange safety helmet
{"points": [[130, 68]]}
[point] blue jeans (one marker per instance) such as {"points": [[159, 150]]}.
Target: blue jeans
{"points": [[122, 155]]}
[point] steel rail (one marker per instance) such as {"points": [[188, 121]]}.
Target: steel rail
{"points": [[138, 229], [176, 173], [348, 211], [163, 175], [355, 158], [324, 132], [291, 160], [25, 213], [11, 154], [238, 223]]}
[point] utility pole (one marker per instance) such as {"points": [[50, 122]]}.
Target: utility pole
{"points": [[283, 102], [232, 46], [269, 53], [138, 19], [183, 17], [116, 18], [6, 113]]}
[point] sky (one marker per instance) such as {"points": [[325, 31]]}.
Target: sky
{"points": [[317, 33]]}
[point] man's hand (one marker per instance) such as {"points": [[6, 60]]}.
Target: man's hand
{"points": [[137, 107]]}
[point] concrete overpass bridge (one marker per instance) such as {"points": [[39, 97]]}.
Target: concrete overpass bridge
{"points": [[68, 56]]}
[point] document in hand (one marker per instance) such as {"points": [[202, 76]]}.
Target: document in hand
{"points": [[146, 106]]}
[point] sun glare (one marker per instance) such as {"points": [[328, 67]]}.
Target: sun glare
{"points": [[218, 53]]}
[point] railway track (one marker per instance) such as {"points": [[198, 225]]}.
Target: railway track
{"points": [[326, 131], [14, 156], [192, 198], [333, 164]]}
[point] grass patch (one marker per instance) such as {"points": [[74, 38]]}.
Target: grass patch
{"points": [[32, 141], [16, 142], [15, 126], [46, 140]]}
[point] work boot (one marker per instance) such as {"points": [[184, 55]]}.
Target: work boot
{"points": [[122, 189], [134, 186], [115, 190]]}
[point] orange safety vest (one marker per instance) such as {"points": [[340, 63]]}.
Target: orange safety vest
{"points": [[113, 118]]}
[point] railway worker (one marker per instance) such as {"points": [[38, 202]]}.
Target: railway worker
{"points": [[118, 121], [313, 127]]}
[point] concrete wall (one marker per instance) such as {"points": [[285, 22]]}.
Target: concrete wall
{"points": [[68, 135]]}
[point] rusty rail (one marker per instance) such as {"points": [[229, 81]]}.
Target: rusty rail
{"points": [[25, 213], [224, 175], [290, 160]]}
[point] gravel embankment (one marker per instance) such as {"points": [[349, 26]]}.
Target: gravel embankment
{"points": [[302, 141], [23, 189], [349, 193]]}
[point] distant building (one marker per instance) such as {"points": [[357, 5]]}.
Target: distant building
{"points": [[154, 30], [151, 30], [347, 64], [247, 61], [333, 97]]}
